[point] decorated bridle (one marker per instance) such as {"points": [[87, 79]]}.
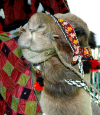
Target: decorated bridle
{"points": [[78, 53]]}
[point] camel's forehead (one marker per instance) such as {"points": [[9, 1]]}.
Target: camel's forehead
{"points": [[41, 18], [33, 20]]}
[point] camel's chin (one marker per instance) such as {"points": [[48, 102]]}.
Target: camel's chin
{"points": [[35, 57], [32, 56]]}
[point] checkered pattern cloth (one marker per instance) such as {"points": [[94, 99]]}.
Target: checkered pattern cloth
{"points": [[16, 75]]}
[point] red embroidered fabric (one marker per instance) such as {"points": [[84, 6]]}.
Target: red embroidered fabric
{"points": [[14, 12], [84, 52], [15, 79]]}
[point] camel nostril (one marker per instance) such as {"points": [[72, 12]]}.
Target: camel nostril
{"points": [[22, 30]]}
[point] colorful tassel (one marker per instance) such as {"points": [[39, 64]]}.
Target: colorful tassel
{"points": [[94, 65], [37, 86]]}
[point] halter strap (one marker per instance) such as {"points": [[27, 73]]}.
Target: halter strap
{"points": [[78, 52]]}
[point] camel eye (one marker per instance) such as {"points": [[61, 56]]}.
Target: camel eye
{"points": [[41, 26]]}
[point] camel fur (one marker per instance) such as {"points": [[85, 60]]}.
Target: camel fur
{"points": [[57, 97]]}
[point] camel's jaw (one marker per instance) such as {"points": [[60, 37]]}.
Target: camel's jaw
{"points": [[38, 57]]}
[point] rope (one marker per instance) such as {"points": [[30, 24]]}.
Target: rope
{"points": [[80, 84], [73, 46], [68, 65], [81, 74]]}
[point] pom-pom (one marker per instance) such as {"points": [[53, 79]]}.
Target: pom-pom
{"points": [[40, 81], [91, 65], [86, 66], [37, 86], [94, 65]]}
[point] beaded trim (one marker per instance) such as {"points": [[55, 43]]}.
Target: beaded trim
{"points": [[78, 53], [70, 35]]}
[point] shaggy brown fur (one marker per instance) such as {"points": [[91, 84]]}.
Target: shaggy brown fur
{"points": [[57, 98]]}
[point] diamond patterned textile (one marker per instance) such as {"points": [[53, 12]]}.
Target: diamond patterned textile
{"points": [[23, 78], [16, 79], [5, 50], [31, 107], [8, 68], [3, 91], [14, 104]]}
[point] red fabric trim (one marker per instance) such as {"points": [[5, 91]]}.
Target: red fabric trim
{"points": [[16, 11]]}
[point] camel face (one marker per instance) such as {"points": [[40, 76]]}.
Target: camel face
{"points": [[35, 41]]}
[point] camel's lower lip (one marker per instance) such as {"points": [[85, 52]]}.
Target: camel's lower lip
{"points": [[32, 56], [29, 53], [36, 57]]}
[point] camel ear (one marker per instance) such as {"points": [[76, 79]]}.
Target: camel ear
{"points": [[80, 32], [83, 40], [82, 36], [91, 40]]}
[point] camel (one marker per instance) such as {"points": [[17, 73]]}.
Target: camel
{"points": [[57, 97]]}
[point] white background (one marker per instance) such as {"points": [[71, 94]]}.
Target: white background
{"points": [[89, 11]]}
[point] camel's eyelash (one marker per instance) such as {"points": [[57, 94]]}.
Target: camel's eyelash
{"points": [[41, 26]]}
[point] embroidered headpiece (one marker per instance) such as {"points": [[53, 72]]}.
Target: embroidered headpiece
{"points": [[84, 52], [78, 52]]}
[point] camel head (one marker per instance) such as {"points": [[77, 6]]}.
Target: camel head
{"points": [[36, 42]]}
